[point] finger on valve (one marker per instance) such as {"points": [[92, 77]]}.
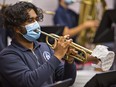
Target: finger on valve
{"points": [[61, 46], [71, 51]]}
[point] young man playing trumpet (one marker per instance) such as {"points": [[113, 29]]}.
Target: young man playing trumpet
{"points": [[26, 62]]}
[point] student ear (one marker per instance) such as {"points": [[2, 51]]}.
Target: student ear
{"points": [[21, 30]]}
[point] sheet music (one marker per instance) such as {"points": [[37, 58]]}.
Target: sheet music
{"points": [[106, 57]]}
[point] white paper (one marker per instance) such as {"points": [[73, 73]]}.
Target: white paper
{"points": [[106, 57]]}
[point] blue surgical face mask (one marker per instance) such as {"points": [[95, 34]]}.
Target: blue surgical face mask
{"points": [[31, 35], [68, 2]]}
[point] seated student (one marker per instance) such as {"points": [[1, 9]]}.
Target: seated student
{"points": [[68, 18], [26, 62]]}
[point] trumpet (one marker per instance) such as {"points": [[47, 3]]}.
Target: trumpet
{"points": [[82, 51]]}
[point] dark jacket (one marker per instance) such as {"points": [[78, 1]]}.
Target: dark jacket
{"points": [[65, 17], [21, 67]]}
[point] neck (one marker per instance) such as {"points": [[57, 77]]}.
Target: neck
{"points": [[27, 44]]}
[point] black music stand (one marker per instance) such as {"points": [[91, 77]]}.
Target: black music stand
{"points": [[105, 31], [104, 36], [58, 30], [64, 83], [115, 37]]}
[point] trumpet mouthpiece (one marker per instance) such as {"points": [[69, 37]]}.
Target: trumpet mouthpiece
{"points": [[37, 30]]}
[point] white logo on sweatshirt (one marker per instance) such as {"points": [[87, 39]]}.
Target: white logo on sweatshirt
{"points": [[46, 55]]}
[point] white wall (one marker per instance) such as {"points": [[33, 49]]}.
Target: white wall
{"points": [[51, 5], [75, 6]]}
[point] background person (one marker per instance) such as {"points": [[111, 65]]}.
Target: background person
{"points": [[68, 18]]}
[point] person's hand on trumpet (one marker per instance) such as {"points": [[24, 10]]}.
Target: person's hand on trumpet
{"points": [[61, 46], [70, 51]]}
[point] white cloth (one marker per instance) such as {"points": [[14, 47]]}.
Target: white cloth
{"points": [[106, 57]]}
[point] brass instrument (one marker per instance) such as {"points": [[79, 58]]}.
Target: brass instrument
{"points": [[49, 12], [82, 52], [89, 11]]}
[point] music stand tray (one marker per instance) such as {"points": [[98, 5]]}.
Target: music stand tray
{"points": [[104, 36], [58, 30], [64, 83]]}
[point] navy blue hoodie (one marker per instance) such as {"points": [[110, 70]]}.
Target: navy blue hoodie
{"points": [[21, 67]]}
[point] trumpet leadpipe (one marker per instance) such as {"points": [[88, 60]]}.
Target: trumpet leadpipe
{"points": [[50, 35]]}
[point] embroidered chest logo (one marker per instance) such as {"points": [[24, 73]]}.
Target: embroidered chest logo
{"points": [[46, 55]]}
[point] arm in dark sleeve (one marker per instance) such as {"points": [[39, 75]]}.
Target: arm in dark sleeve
{"points": [[66, 71], [70, 71], [17, 73], [59, 19]]}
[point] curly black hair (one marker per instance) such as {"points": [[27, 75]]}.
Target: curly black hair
{"points": [[15, 15]]}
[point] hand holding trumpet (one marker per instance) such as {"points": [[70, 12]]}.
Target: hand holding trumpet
{"points": [[62, 48], [71, 51]]}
